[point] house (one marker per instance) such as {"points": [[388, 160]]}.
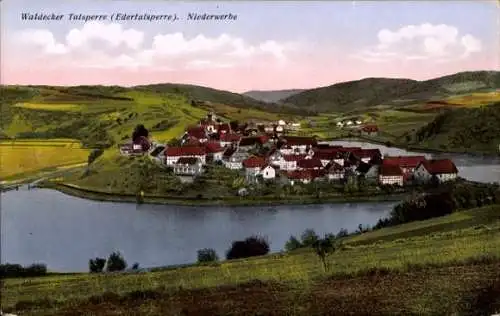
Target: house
{"points": [[391, 174], [366, 155], [407, 163], [269, 129], [340, 124], [369, 130], [227, 139], [369, 171], [443, 169], [334, 171], [214, 151], [224, 128], [249, 143], [188, 166], [141, 144], [281, 123], [304, 176], [233, 159], [173, 154], [312, 163], [359, 122], [293, 126], [253, 165], [198, 132], [325, 155], [289, 162], [268, 172], [298, 144], [349, 123], [279, 129]]}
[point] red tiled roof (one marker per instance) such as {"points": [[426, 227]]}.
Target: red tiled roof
{"points": [[192, 141], [198, 132], [440, 166], [229, 152], [333, 166], [229, 137], [249, 141], [254, 162], [185, 151], [305, 174], [187, 161], [294, 157], [349, 149], [367, 153], [213, 147], [309, 163], [298, 140], [370, 128], [224, 127], [390, 170], [325, 155], [404, 161]]}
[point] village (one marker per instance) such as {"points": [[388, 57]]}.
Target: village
{"points": [[267, 152]]}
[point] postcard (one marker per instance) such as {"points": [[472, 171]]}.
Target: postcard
{"points": [[250, 157]]}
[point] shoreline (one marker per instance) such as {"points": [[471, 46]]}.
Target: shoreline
{"points": [[418, 149], [95, 195]]}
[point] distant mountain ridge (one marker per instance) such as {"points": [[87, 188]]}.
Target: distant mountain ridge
{"points": [[368, 92], [272, 96]]}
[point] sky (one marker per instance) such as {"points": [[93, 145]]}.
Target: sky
{"points": [[270, 45]]}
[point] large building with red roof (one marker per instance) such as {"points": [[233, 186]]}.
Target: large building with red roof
{"points": [[391, 174], [443, 169], [172, 154]]}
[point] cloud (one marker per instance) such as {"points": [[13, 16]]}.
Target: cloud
{"points": [[102, 45], [439, 43]]}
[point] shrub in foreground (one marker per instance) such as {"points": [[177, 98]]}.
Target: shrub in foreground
{"points": [[116, 262], [16, 270], [207, 255], [251, 247], [97, 265]]}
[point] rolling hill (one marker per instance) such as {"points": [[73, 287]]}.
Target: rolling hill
{"points": [[370, 92], [100, 116], [272, 96]]}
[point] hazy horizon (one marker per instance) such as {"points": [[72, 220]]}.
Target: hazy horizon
{"points": [[270, 46]]}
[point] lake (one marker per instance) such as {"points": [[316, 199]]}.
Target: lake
{"points": [[64, 232]]}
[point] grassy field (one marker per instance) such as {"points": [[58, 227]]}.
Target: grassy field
{"points": [[21, 158], [397, 270]]}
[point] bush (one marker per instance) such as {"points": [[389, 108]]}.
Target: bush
{"points": [[97, 265], [250, 247], [309, 237], [292, 244], [116, 262], [94, 154], [207, 255], [16, 270]]}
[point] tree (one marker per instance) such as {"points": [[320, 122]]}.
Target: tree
{"points": [[116, 262], [135, 266], [139, 131], [309, 238], [292, 244], [250, 247], [94, 154], [234, 125], [96, 265], [207, 255], [324, 247]]}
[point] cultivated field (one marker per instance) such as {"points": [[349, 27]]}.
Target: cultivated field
{"points": [[24, 157], [403, 260]]}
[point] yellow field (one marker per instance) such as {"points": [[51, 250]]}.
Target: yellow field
{"points": [[25, 157], [50, 106], [476, 99]]}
